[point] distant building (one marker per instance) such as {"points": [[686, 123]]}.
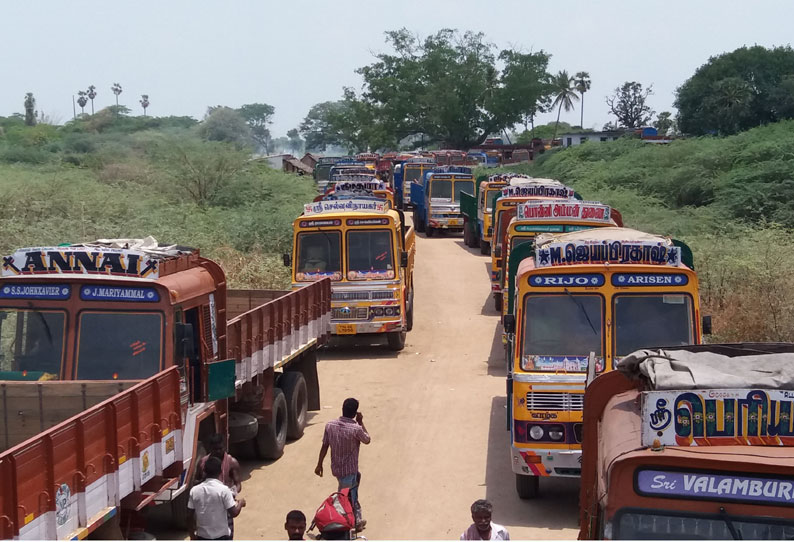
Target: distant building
{"points": [[288, 163], [310, 159], [571, 140]]}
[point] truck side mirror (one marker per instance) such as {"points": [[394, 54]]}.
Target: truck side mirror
{"points": [[287, 260], [706, 325], [509, 323], [184, 340], [403, 259], [497, 251]]}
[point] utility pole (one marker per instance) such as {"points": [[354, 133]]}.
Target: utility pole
{"points": [[74, 109]]}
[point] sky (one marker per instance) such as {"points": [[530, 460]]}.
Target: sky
{"points": [[190, 54]]}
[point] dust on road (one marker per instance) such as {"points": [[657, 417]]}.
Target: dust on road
{"points": [[436, 413]]}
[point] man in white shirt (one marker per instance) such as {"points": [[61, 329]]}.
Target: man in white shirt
{"points": [[483, 528], [210, 505]]}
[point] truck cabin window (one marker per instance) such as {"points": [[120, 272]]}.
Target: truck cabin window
{"points": [[441, 190], [413, 174], [639, 524], [370, 251], [119, 346], [561, 326], [463, 186], [319, 252], [642, 321], [518, 241], [32, 341]]}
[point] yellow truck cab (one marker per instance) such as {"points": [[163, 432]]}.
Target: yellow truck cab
{"points": [[519, 190], [367, 250], [534, 217], [585, 300]]}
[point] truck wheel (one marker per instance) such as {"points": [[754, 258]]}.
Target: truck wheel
{"points": [[271, 438], [485, 247], [497, 302], [527, 487], [409, 318], [396, 340], [294, 386], [420, 227], [430, 231], [466, 240]]}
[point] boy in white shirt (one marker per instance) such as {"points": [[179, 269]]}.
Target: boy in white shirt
{"points": [[210, 505]]}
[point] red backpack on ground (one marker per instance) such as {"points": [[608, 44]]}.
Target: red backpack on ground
{"points": [[335, 513]]}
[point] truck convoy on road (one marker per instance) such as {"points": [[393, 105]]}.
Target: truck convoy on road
{"points": [[691, 443], [119, 358], [436, 199], [586, 300], [476, 209]]}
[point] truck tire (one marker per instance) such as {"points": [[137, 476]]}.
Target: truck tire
{"points": [[420, 227], [294, 386], [179, 505], [396, 340], [527, 487], [430, 231], [467, 236], [497, 302], [485, 247], [271, 438], [409, 317]]}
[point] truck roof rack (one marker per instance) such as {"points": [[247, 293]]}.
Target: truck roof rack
{"points": [[147, 245]]}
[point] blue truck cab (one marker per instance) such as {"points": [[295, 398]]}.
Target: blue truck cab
{"points": [[436, 200], [406, 173]]}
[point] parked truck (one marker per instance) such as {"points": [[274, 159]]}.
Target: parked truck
{"points": [[436, 200], [691, 443], [476, 209], [119, 359], [407, 173]]}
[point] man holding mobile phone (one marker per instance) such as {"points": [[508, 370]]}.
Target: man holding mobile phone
{"points": [[344, 436]]}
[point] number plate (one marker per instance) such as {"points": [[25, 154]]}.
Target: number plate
{"points": [[345, 329], [454, 222]]}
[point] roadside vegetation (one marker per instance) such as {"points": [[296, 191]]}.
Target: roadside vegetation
{"points": [[731, 199], [113, 176]]}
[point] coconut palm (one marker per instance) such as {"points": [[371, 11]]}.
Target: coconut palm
{"points": [[582, 84], [144, 102], [116, 88], [562, 87], [91, 95], [82, 100]]}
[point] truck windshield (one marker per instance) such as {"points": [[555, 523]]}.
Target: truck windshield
{"points": [[518, 241], [441, 190], [560, 328], [118, 345], [323, 172], [413, 174], [463, 186], [32, 341], [370, 255], [490, 197], [319, 255], [642, 525], [642, 321]]}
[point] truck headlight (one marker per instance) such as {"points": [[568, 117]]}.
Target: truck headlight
{"points": [[555, 432], [536, 432]]}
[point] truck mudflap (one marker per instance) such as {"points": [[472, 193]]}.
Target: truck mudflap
{"points": [[276, 332], [70, 479], [546, 462]]}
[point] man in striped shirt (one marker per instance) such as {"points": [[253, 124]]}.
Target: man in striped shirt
{"points": [[344, 436]]}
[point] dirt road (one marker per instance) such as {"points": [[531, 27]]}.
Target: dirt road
{"points": [[436, 413]]}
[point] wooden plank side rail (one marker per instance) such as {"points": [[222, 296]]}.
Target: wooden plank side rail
{"points": [[272, 333], [67, 480]]}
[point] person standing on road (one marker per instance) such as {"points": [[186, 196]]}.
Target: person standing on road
{"points": [[483, 528], [295, 525], [210, 505], [230, 469], [344, 436]]}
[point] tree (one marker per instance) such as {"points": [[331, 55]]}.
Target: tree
{"points": [[582, 84], [562, 86], [664, 122], [259, 116], [91, 95], [320, 126], [446, 88], [116, 88], [226, 124], [349, 123], [708, 104], [628, 105], [30, 109], [82, 99], [144, 102], [295, 141]]}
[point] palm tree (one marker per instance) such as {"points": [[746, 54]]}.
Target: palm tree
{"points": [[116, 88], [582, 84], [82, 100], [144, 102], [562, 86], [91, 95]]}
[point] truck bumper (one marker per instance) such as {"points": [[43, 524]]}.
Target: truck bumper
{"points": [[545, 462], [343, 327]]}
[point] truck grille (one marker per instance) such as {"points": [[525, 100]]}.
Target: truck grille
{"points": [[349, 296], [554, 401], [356, 313]]}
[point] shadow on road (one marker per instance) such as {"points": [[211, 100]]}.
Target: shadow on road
{"points": [[356, 347], [488, 308], [497, 366], [557, 506]]}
